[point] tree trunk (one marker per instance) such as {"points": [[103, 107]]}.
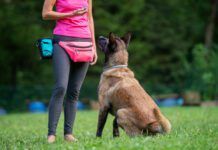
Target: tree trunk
{"points": [[211, 24]]}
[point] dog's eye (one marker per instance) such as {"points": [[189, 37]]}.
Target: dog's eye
{"points": [[112, 47]]}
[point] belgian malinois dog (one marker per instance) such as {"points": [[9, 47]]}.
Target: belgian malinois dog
{"points": [[121, 94]]}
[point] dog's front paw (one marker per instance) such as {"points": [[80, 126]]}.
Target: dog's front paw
{"points": [[98, 134]]}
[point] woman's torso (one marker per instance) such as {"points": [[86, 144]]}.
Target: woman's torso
{"points": [[76, 26]]}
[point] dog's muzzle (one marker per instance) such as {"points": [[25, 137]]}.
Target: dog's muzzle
{"points": [[102, 43]]}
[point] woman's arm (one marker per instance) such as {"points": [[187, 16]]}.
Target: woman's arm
{"points": [[92, 28], [49, 14]]}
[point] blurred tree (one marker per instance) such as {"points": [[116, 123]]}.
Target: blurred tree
{"points": [[21, 25], [211, 23]]}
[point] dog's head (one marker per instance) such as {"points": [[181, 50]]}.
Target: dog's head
{"points": [[115, 49]]}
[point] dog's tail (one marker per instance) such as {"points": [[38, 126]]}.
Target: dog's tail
{"points": [[163, 121]]}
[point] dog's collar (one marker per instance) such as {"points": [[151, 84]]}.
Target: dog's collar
{"points": [[113, 67]]}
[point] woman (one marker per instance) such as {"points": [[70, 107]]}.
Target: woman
{"points": [[74, 22]]}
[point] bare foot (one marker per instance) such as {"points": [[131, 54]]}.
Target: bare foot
{"points": [[69, 138], [51, 139]]}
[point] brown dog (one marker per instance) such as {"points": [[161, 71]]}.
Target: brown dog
{"points": [[122, 95]]}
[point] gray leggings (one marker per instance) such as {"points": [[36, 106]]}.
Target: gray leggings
{"points": [[69, 77]]}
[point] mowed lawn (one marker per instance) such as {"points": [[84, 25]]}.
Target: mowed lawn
{"points": [[193, 128]]}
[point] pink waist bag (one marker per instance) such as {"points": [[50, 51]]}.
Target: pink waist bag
{"points": [[78, 51]]}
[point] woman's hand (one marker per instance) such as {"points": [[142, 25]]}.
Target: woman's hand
{"points": [[95, 57], [79, 12], [91, 26]]}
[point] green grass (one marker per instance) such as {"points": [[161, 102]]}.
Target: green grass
{"points": [[193, 128]]}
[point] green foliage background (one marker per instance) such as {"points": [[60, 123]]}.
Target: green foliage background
{"points": [[167, 51]]}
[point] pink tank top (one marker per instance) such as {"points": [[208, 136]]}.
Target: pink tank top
{"points": [[76, 26]]}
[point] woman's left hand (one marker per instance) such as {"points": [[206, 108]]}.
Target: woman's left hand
{"points": [[95, 58]]}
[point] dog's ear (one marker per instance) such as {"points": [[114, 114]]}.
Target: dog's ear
{"points": [[112, 39], [126, 38], [112, 42]]}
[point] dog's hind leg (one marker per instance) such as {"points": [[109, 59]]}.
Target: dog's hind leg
{"points": [[116, 132], [125, 121], [102, 117]]}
